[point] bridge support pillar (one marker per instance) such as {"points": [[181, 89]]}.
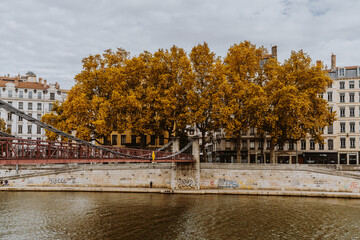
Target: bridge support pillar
{"points": [[196, 154], [176, 144]]}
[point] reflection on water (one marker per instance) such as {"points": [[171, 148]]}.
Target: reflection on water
{"points": [[53, 215]]}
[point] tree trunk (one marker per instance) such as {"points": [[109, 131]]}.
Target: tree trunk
{"points": [[262, 159], [272, 151], [203, 149], [238, 148]]}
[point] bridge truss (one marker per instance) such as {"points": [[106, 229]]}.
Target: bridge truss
{"points": [[28, 151]]}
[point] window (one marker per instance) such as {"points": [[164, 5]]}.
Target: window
{"points": [[342, 112], [30, 94], [352, 127], [9, 117], [252, 131], [50, 106], [123, 139], [21, 105], [161, 140], [144, 140], [329, 96], [38, 117], [39, 95], [252, 145], [244, 144], [114, 139], [341, 72], [38, 130], [342, 85], [352, 111], [133, 139], [351, 84], [29, 129], [20, 119], [260, 145], [21, 94], [268, 144], [303, 145], [30, 106], [330, 144], [342, 142], [330, 129], [10, 93], [8, 127], [52, 96], [352, 142], [20, 129], [30, 114], [291, 146], [352, 97], [321, 146], [321, 95], [312, 145], [152, 140], [281, 147], [39, 106], [342, 97], [330, 109], [342, 127]]}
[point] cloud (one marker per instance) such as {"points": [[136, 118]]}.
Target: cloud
{"points": [[50, 38]]}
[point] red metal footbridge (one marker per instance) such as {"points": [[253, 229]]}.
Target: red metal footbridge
{"points": [[27, 151]]}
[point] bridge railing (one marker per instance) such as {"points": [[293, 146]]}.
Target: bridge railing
{"points": [[16, 148]]}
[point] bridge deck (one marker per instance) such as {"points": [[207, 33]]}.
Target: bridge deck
{"points": [[28, 151]]}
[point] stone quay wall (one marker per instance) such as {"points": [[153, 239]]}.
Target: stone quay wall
{"points": [[299, 180]]}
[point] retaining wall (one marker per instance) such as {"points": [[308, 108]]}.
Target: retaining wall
{"points": [[185, 178]]}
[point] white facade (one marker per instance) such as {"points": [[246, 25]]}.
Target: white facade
{"points": [[32, 96]]}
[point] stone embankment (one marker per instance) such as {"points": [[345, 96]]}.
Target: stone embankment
{"points": [[208, 178]]}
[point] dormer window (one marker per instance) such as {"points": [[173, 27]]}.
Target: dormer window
{"points": [[341, 72]]}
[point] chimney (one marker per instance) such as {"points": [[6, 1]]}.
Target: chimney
{"points": [[57, 85], [274, 52], [318, 63], [44, 81], [8, 75], [40, 80], [333, 61]]}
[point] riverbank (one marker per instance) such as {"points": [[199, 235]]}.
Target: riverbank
{"points": [[167, 178], [179, 191]]}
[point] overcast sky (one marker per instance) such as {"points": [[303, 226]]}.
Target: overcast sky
{"points": [[51, 37]]}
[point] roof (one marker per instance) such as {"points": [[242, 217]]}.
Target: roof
{"points": [[31, 85]]}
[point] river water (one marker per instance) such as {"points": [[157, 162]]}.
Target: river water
{"points": [[76, 215]]}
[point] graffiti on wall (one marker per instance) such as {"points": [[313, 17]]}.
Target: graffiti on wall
{"points": [[223, 183], [186, 183], [354, 186], [70, 180]]}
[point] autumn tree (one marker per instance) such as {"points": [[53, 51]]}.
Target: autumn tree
{"points": [[294, 108], [205, 96], [88, 111], [244, 100], [3, 126]]}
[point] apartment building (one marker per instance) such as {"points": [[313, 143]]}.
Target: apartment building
{"points": [[32, 95], [342, 139]]}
